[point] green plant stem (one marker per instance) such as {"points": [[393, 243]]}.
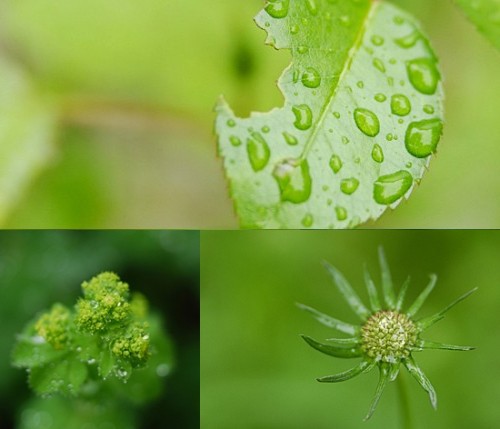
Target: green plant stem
{"points": [[406, 421]]}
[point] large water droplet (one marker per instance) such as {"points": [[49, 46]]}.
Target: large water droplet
{"points": [[258, 152], [303, 116], [290, 139], [341, 213], [422, 137], [308, 220], [377, 154], [294, 180], [367, 122], [392, 187], [400, 105], [349, 186], [311, 78], [423, 75], [335, 163], [277, 8], [408, 41]]}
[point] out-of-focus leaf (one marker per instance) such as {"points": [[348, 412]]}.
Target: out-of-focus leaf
{"points": [[362, 117], [27, 125], [485, 15], [33, 351]]}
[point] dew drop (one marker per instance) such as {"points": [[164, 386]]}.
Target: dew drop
{"points": [[303, 116], [377, 40], [389, 137], [380, 98], [345, 140], [341, 213], [428, 109], [367, 122], [308, 220], [392, 187], [423, 75], [398, 20], [360, 84], [277, 8], [258, 152], [290, 139], [294, 180], [311, 78], [235, 141], [345, 21], [349, 186], [400, 105], [266, 129], [231, 123], [336, 114], [312, 6], [422, 137], [302, 49], [408, 41], [379, 65], [335, 163], [377, 154], [294, 29]]}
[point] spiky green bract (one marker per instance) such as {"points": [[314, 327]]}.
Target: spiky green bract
{"points": [[106, 335], [387, 335]]}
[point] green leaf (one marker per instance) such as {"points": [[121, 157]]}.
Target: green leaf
{"points": [[485, 15], [384, 378], [422, 379], [27, 124], [330, 321], [33, 351], [364, 366], [361, 118], [333, 350], [417, 304]]}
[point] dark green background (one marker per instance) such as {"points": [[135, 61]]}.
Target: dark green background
{"points": [[257, 373]]}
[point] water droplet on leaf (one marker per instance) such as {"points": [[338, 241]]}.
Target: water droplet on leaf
{"points": [[349, 186], [367, 122], [341, 213], [335, 163], [258, 152], [311, 78], [290, 139], [294, 180], [235, 141], [277, 8], [423, 75], [422, 137], [392, 187], [308, 220], [400, 105], [377, 154], [303, 116]]}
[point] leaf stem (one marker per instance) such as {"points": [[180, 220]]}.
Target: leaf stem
{"points": [[406, 422]]}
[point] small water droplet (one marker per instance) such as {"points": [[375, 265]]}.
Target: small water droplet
{"points": [[349, 186], [258, 152], [360, 84], [392, 187], [290, 139], [345, 20], [312, 6], [231, 123], [367, 122], [380, 98], [422, 137], [235, 141], [377, 40], [302, 49], [389, 137], [377, 154], [294, 180], [400, 105], [429, 109], [335, 163], [265, 129], [345, 140], [336, 114], [379, 65], [311, 78], [408, 41], [308, 220], [277, 8], [409, 164], [398, 20], [162, 370], [303, 116], [423, 75], [341, 213], [294, 29]]}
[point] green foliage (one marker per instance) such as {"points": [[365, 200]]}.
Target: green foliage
{"points": [[27, 128], [387, 337], [485, 15], [109, 334], [361, 119]]}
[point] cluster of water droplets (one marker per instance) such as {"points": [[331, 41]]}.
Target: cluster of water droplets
{"points": [[407, 123]]}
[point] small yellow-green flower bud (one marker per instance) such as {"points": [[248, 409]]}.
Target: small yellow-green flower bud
{"points": [[53, 326]]}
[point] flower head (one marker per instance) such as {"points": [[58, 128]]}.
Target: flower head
{"points": [[386, 336]]}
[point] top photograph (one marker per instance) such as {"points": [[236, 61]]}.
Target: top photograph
{"points": [[278, 114]]}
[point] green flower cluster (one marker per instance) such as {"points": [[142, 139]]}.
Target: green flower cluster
{"points": [[53, 326]]}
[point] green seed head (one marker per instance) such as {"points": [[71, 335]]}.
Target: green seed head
{"points": [[388, 336]]}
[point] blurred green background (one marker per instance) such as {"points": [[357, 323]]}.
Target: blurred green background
{"points": [[258, 373], [38, 268], [131, 86]]}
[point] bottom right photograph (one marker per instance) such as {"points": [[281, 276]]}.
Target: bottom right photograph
{"points": [[350, 329]]}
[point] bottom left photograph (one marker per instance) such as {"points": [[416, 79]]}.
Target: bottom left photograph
{"points": [[99, 329]]}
